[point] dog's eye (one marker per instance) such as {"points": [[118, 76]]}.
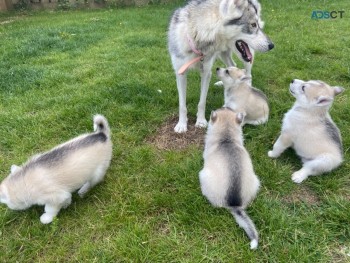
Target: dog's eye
{"points": [[227, 72], [303, 88], [253, 25]]}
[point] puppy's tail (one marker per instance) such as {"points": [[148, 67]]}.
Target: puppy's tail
{"points": [[247, 224], [101, 125]]}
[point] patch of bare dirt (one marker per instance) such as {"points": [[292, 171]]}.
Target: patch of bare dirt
{"points": [[167, 139], [302, 194]]}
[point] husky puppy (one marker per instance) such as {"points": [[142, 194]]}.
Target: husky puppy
{"points": [[227, 178], [203, 30], [242, 97], [50, 178], [309, 129]]}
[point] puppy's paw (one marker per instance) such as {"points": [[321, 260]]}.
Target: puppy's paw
{"points": [[219, 84], [272, 154], [201, 123], [180, 128], [46, 218], [299, 176]]}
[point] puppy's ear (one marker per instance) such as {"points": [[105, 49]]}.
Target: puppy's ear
{"points": [[240, 117], [213, 116], [338, 90], [14, 168], [324, 101]]}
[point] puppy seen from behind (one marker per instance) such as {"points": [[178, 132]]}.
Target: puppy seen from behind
{"points": [[227, 178]]}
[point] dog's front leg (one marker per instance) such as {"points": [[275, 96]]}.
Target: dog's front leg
{"points": [[205, 79], [181, 81], [283, 142], [226, 57]]}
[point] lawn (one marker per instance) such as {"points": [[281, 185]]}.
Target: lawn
{"points": [[59, 68]]}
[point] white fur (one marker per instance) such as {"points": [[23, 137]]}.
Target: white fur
{"points": [[304, 128], [242, 97], [205, 23], [52, 181], [216, 176]]}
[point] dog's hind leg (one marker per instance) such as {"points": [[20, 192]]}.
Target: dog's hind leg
{"points": [[181, 81], [322, 164], [205, 79], [97, 178], [54, 206]]}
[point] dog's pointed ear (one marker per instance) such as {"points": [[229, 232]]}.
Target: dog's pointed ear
{"points": [[231, 8], [14, 168], [240, 117], [338, 90], [324, 100], [213, 116]]}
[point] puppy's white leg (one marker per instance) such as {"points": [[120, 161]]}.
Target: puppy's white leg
{"points": [[283, 142], [84, 189], [97, 178], [181, 81], [322, 164], [205, 79], [52, 209]]}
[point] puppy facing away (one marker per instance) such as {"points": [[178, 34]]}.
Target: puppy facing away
{"points": [[227, 178], [50, 178], [309, 129], [242, 97]]}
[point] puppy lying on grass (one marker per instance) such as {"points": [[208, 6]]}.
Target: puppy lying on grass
{"points": [[309, 129], [227, 178], [242, 97], [50, 178]]}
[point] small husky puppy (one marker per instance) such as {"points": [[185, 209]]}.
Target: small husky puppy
{"points": [[309, 129], [227, 178], [242, 97], [50, 178]]}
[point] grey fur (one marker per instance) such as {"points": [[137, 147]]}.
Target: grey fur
{"points": [[333, 133]]}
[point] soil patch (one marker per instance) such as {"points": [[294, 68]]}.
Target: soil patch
{"points": [[167, 139]]}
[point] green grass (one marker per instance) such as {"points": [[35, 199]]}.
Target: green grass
{"points": [[57, 69]]}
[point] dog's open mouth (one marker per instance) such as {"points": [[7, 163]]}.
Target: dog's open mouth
{"points": [[244, 50]]}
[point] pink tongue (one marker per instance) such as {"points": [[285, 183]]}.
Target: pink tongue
{"points": [[247, 50]]}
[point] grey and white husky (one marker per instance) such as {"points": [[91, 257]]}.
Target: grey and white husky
{"points": [[310, 130], [241, 96], [227, 178], [203, 30], [50, 178]]}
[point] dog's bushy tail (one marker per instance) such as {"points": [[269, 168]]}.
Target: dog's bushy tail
{"points": [[247, 224], [101, 125]]}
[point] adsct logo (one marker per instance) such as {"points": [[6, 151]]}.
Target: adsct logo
{"points": [[319, 14]]}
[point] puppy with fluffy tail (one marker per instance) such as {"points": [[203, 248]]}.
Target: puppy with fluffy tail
{"points": [[50, 178], [310, 130], [227, 178]]}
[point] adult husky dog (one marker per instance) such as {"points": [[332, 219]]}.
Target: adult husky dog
{"points": [[205, 29]]}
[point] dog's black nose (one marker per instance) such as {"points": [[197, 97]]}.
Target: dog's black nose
{"points": [[271, 46], [292, 81], [217, 69]]}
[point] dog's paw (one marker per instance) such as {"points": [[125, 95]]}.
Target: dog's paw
{"points": [[299, 176], [271, 154], [201, 123], [219, 84], [254, 244], [46, 218], [180, 128]]}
